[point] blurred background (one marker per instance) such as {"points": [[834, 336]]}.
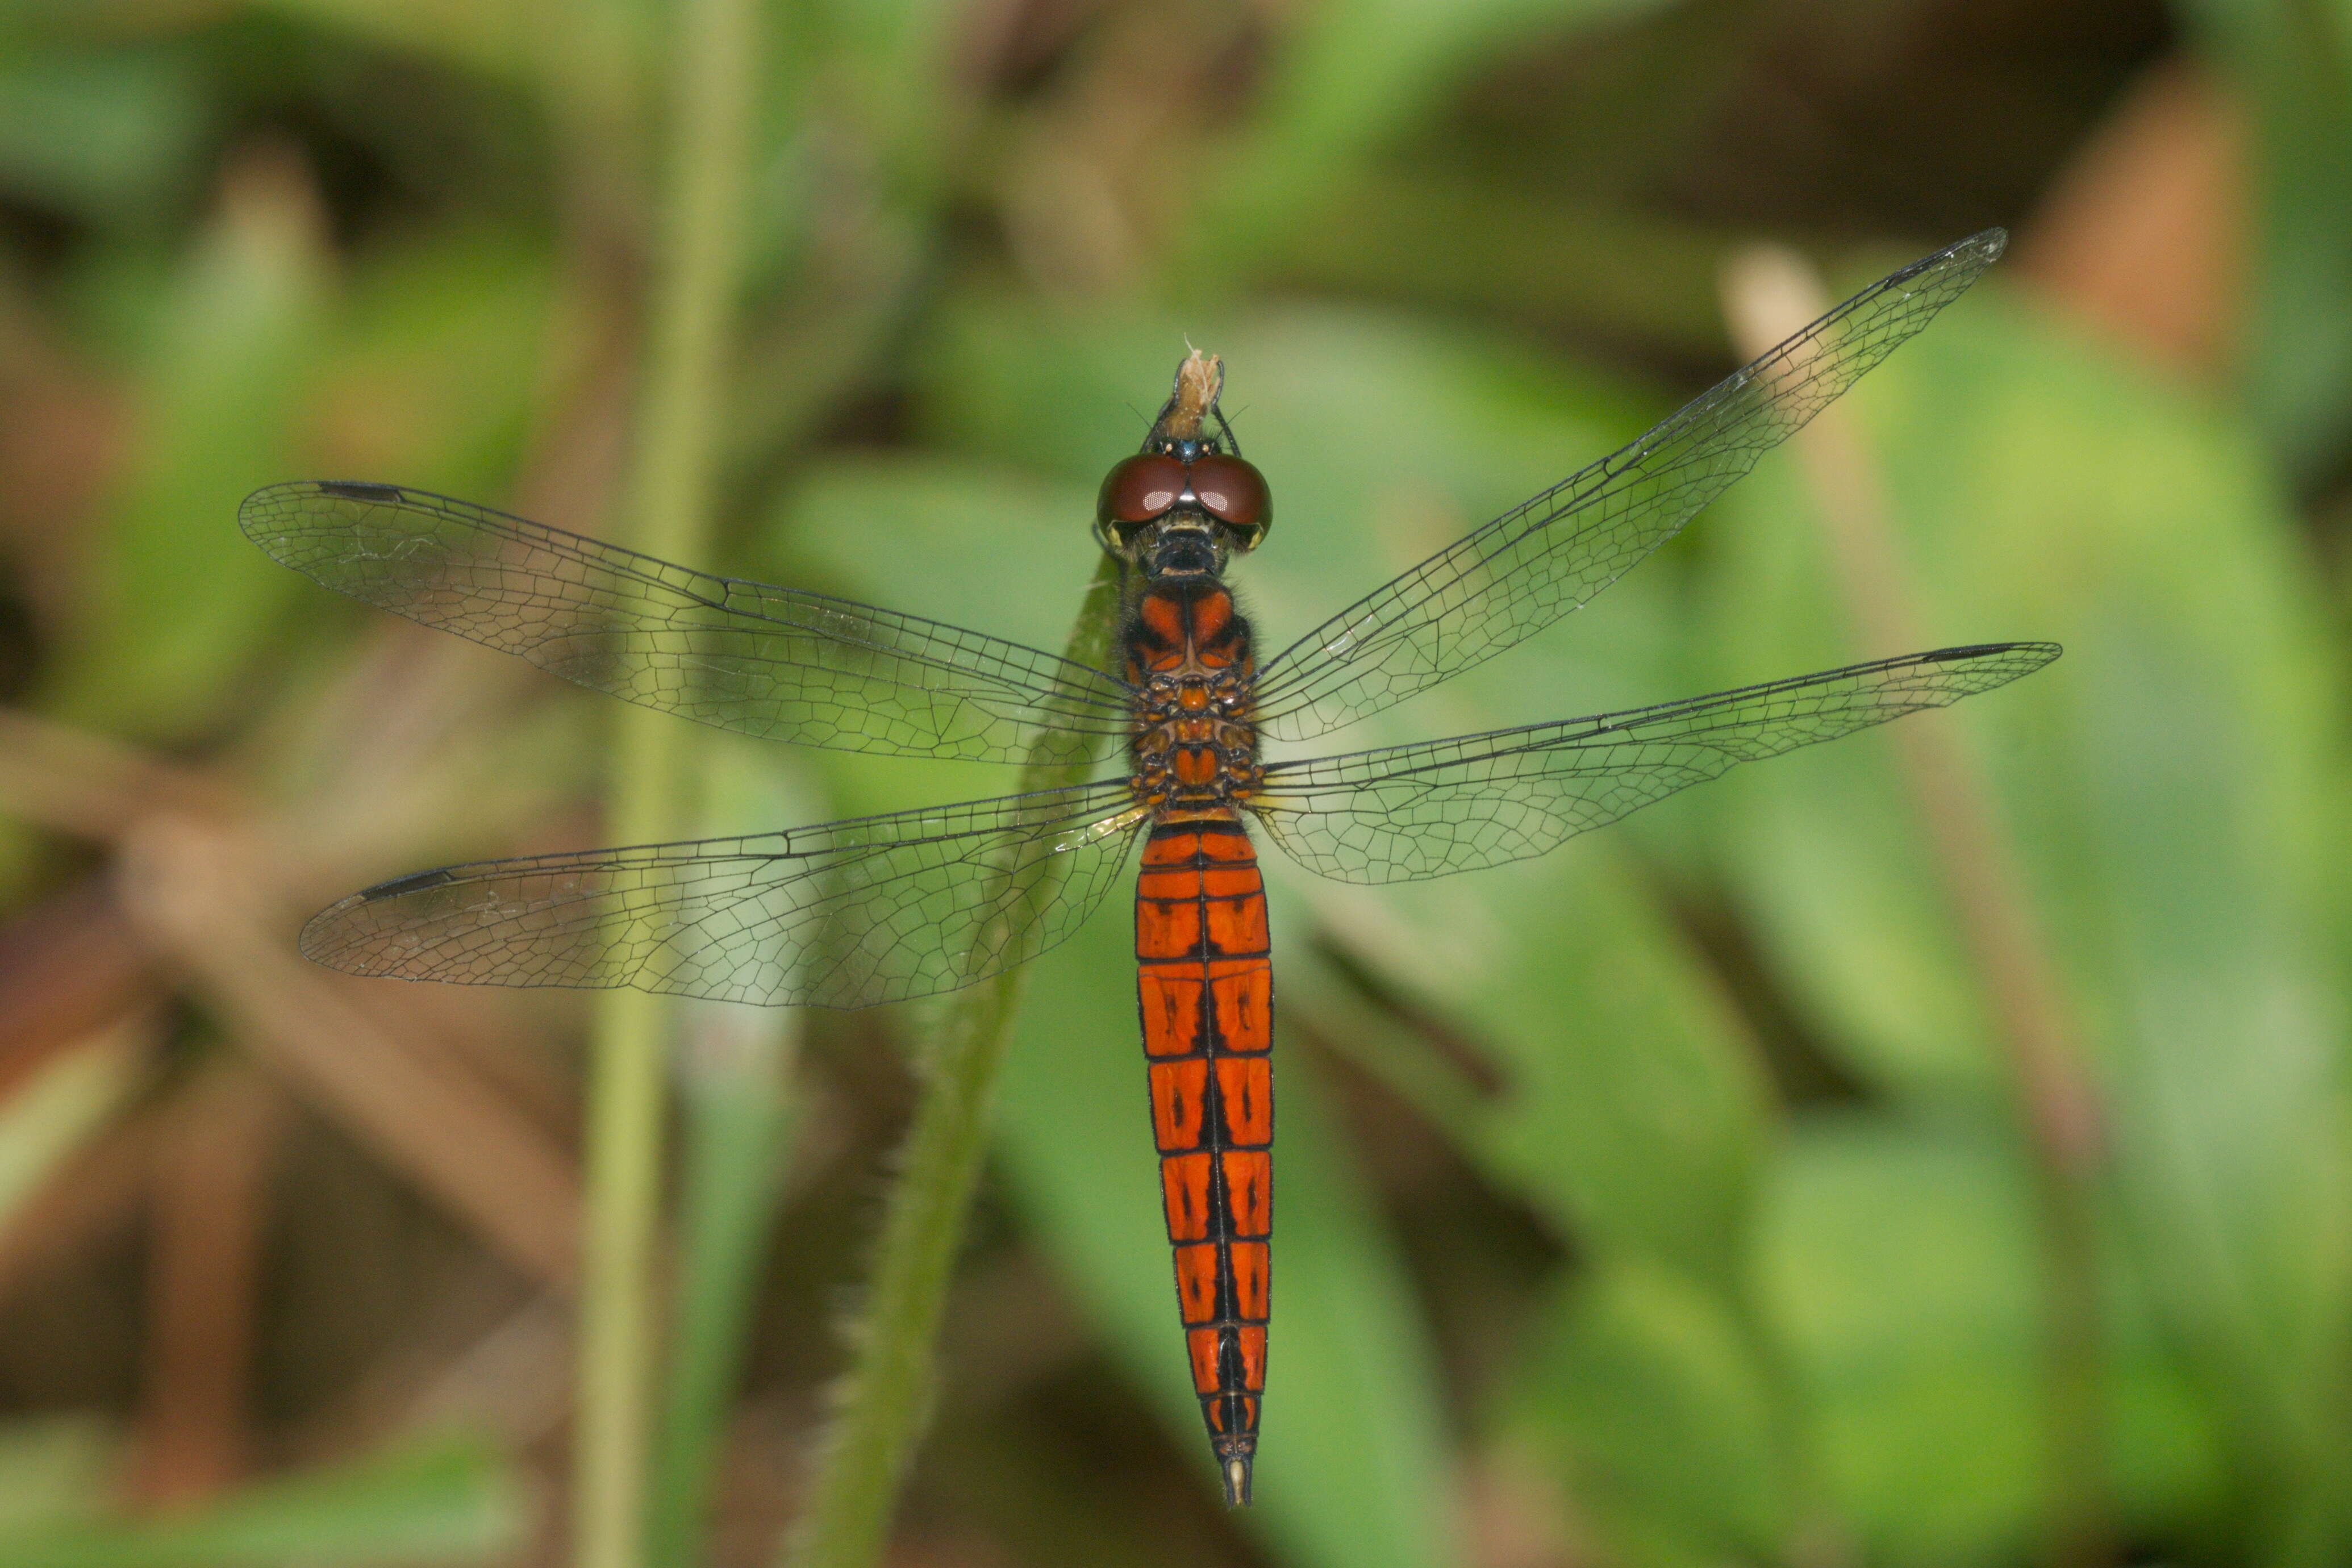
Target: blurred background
{"points": [[1915, 1151]]}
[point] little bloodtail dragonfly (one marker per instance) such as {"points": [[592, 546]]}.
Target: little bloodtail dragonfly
{"points": [[877, 909]]}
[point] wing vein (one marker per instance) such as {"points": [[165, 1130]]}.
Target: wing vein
{"points": [[1400, 813], [779, 663], [1516, 575]]}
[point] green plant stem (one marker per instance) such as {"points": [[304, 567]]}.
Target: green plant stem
{"points": [[694, 279], [887, 1398]]}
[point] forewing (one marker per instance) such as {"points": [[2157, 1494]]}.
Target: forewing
{"points": [[767, 661], [846, 914], [1402, 813], [1550, 555]]}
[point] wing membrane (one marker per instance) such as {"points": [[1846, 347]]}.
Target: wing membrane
{"points": [[767, 661], [1402, 813], [1550, 555], [847, 914]]}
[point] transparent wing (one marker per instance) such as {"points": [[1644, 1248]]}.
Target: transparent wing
{"points": [[773, 662], [1550, 555], [846, 914], [1406, 811]]}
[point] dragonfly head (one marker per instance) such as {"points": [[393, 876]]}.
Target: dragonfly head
{"points": [[1189, 500]]}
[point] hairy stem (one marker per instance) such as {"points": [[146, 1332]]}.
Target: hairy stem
{"points": [[886, 1399]]}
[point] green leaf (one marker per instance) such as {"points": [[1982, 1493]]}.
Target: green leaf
{"points": [[1900, 1269], [1899, 1265], [2175, 786], [962, 541], [1629, 1110], [446, 1502], [180, 600], [1655, 1402], [985, 544]]}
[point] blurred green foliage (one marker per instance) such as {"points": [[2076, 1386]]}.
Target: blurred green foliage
{"points": [[1679, 1171], [442, 1501]]}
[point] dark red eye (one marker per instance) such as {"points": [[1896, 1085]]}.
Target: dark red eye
{"points": [[1141, 488], [1232, 489]]}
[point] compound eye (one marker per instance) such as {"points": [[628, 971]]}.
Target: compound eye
{"points": [[1232, 490], [1139, 488]]}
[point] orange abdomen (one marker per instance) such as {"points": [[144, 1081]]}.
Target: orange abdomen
{"points": [[1205, 984]]}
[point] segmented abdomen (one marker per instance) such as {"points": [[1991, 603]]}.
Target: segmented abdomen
{"points": [[1206, 989]]}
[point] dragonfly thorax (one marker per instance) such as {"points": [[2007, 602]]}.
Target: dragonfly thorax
{"points": [[1188, 654]]}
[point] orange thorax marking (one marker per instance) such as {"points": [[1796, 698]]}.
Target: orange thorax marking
{"points": [[1188, 652], [1163, 618], [1188, 624]]}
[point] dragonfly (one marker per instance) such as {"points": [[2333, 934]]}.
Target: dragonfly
{"points": [[879, 908]]}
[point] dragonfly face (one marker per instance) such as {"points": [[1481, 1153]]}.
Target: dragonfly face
{"points": [[1176, 513], [1188, 502], [877, 909]]}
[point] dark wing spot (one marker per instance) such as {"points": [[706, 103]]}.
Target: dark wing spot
{"points": [[354, 489], [414, 882]]}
